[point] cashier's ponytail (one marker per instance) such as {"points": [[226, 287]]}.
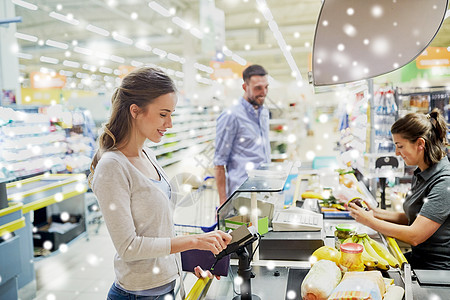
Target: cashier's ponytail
{"points": [[431, 127], [140, 87]]}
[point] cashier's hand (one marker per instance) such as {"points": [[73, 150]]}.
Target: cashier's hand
{"points": [[200, 273], [214, 241], [360, 214]]}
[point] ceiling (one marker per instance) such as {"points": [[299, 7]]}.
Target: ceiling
{"points": [[247, 34]]}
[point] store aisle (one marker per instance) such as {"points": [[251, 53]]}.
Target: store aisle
{"points": [[85, 271]]}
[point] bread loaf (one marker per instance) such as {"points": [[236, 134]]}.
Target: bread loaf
{"points": [[320, 281]]}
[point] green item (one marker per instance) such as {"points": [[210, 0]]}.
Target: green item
{"points": [[236, 221]]}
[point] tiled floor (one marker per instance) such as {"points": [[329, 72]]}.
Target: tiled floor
{"points": [[85, 271]]}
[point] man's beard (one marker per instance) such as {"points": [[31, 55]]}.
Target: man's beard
{"points": [[253, 102]]}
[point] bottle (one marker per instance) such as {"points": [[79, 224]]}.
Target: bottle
{"points": [[343, 232], [351, 257]]}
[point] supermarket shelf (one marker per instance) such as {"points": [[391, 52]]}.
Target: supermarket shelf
{"points": [[182, 154], [185, 144], [197, 133], [277, 121], [196, 125], [195, 118], [279, 156], [281, 139]]}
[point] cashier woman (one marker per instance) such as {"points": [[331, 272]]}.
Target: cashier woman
{"points": [[420, 139], [134, 193]]}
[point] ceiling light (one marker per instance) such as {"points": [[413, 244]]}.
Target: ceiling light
{"points": [[262, 5], [122, 39], [49, 60], [136, 63], [97, 30], [26, 37], [247, 47], [159, 52], [56, 44], [238, 59], [172, 11], [63, 18], [84, 51], [169, 30], [173, 57], [143, 46], [24, 55], [72, 64], [59, 7], [197, 33], [74, 42], [105, 70], [117, 59], [183, 24], [67, 54], [41, 42], [296, 34], [257, 20], [134, 16], [227, 51], [25, 4], [159, 9]]}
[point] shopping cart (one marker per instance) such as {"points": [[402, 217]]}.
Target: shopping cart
{"points": [[195, 211]]}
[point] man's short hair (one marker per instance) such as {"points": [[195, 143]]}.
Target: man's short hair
{"points": [[253, 70]]}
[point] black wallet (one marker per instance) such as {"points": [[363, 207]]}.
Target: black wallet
{"points": [[205, 259]]}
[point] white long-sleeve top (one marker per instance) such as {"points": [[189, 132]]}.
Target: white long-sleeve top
{"points": [[139, 218]]}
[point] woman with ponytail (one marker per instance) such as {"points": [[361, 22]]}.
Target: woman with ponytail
{"points": [[134, 193], [421, 141]]}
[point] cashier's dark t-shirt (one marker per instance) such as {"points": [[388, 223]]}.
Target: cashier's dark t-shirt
{"points": [[430, 197]]}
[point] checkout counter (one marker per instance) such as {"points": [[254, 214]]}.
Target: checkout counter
{"points": [[25, 221], [280, 263]]}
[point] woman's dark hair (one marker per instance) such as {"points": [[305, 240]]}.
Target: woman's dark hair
{"points": [[139, 87], [431, 127]]}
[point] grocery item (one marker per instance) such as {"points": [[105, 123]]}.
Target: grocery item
{"points": [[369, 261], [320, 281], [395, 249], [312, 195], [359, 202], [351, 257], [360, 286], [382, 262], [343, 232], [325, 252], [383, 252], [394, 292]]}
